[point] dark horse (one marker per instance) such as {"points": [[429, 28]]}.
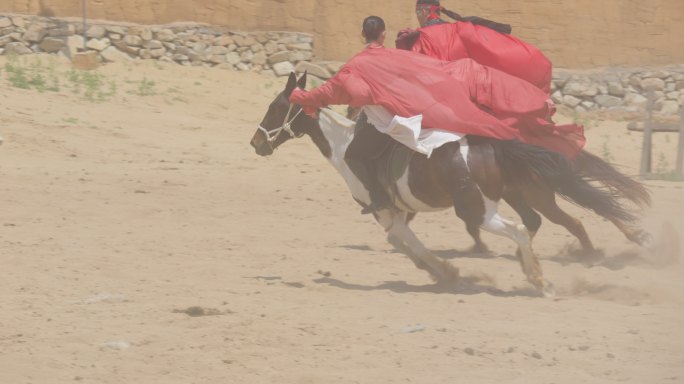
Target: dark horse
{"points": [[472, 176]]}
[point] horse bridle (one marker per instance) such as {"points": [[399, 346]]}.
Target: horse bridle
{"points": [[272, 136]]}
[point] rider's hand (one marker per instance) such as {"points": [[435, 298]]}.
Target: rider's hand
{"points": [[312, 112]]}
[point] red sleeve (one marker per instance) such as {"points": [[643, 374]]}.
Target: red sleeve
{"points": [[332, 92]]}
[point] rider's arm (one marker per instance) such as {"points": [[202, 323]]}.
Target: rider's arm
{"points": [[332, 92]]}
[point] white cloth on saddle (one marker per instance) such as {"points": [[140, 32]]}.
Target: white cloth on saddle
{"points": [[409, 130]]}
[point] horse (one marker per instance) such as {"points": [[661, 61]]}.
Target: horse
{"points": [[594, 168], [472, 175]]}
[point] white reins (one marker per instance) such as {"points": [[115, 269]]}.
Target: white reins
{"points": [[272, 136]]}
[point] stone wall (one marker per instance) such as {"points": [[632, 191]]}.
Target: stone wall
{"points": [[279, 53], [574, 34], [185, 44]]}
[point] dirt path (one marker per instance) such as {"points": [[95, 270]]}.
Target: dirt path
{"points": [[118, 215]]}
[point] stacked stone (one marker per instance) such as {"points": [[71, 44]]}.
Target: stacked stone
{"points": [[280, 53], [188, 44], [625, 90]]}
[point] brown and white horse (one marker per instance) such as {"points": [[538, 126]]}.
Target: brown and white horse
{"points": [[472, 176]]}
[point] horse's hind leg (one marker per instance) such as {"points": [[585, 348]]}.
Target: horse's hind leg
{"points": [[544, 201], [496, 224], [636, 235]]}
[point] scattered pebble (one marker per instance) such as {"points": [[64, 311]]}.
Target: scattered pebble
{"points": [[610, 355], [116, 345], [469, 351], [200, 312], [324, 273], [110, 298], [536, 355], [584, 348], [414, 329]]}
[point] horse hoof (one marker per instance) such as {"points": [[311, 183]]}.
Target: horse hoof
{"points": [[548, 290]]}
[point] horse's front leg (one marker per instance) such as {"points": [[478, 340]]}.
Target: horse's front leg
{"points": [[402, 237]]}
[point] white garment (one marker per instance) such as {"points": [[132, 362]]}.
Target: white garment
{"points": [[408, 130]]}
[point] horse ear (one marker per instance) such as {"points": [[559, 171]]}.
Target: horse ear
{"points": [[291, 84], [301, 83]]}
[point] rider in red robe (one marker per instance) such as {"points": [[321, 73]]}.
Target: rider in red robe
{"points": [[460, 96], [487, 42]]}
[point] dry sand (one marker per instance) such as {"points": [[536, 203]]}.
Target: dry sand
{"points": [[118, 216]]}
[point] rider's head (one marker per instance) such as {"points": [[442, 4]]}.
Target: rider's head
{"points": [[374, 30], [427, 10]]}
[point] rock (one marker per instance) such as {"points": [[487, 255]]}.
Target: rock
{"points": [[115, 36], [244, 41], [635, 99], [243, 66], [165, 35], [536, 355], [681, 100], [233, 58], [118, 30], [121, 46], [313, 69], [61, 32], [199, 47], [51, 45], [279, 57], [133, 40], [217, 59], [680, 85], [603, 89], [673, 96], [112, 54], [334, 66], [178, 57], [300, 47], [4, 40], [678, 77], [247, 56], [217, 50], [557, 97], [571, 101], [98, 44], [607, 101], [256, 48], [96, 32], [145, 54], [587, 104], [35, 34], [17, 48], [670, 107], [580, 87], [18, 22], [270, 47], [225, 66], [616, 89], [652, 84], [580, 109], [296, 56], [259, 58], [115, 346], [146, 34], [73, 45], [153, 44], [635, 81], [655, 74], [283, 68], [5, 22], [469, 351], [157, 53], [224, 41]]}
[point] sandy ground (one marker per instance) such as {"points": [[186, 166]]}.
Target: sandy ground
{"points": [[118, 215]]}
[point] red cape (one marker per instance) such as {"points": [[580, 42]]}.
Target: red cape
{"points": [[460, 40], [461, 96]]}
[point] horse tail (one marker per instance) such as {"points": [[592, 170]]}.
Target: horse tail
{"points": [[523, 164], [593, 167]]}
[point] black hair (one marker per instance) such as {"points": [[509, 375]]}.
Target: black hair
{"points": [[373, 27], [499, 27]]}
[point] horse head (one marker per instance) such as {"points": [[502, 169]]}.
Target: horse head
{"points": [[283, 121]]}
